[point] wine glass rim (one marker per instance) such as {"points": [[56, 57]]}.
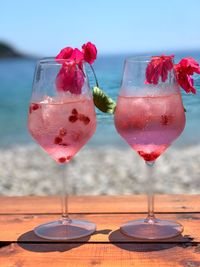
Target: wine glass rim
{"points": [[143, 58], [54, 61]]}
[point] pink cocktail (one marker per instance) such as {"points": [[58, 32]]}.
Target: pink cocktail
{"points": [[151, 123], [149, 116], [62, 125], [62, 120]]}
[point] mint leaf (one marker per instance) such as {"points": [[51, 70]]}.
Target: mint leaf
{"points": [[103, 102]]}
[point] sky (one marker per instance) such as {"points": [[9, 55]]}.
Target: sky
{"points": [[43, 27]]}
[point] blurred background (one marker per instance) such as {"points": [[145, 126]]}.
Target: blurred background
{"points": [[30, 30]]}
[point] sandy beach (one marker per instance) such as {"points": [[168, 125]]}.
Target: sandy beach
{"points": [[28, 170]]}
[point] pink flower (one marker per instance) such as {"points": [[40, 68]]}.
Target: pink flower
{"points": [[70, 78], [159, 66], [184, 69], [89, 52], [77, 55], [71, 75], [70, 54], [65, 53]]}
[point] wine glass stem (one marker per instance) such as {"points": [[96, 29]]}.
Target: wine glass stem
{"points": [[65, 213], [150, 171], [151, 206]]}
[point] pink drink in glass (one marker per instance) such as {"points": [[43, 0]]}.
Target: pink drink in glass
{"points": [[149, 124], [150, 116], [62, 125]]}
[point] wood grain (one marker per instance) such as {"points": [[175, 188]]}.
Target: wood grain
{"points": [[19, 227], [19, 247], [109, 255], [99, 204]]}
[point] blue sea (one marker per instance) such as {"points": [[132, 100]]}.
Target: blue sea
{"points": [[16, 77]]}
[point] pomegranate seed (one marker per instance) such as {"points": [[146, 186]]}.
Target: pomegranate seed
{"points": [[57, 140], [74, 111], [73, 118], [62, 160], [69, 157], [86, 120], [62, 132], [35, 106], [166, 119], [149, 156]]}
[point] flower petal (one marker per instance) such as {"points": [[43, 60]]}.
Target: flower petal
{"points": [[89, 52], [184, 69], [65, 53], [77, 55], [70, 78], [159, 66]]}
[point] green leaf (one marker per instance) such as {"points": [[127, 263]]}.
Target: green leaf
{"points": [[103, 102]]}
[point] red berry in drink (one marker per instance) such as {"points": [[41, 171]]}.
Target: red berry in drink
{"points": [[35, 106], [86, 120], [62, 160], [73, 118], [57, 140], [74, 111]]}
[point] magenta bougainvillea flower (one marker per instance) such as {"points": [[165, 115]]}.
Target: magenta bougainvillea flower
{"points": [[183, 70], [89, 52], [70, 78], [70, 54], [71, 75], [65, 53], [158, 67]]}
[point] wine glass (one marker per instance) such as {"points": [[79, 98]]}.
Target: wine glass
{"points": [[149, 117], [62, 119]]}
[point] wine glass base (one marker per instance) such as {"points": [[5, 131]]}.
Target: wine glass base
{"points": [[153, 230], [65, 229]]}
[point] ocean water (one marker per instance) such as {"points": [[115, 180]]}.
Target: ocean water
{"points": [[16, 77]]}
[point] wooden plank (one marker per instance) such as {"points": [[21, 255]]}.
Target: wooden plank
{"points": [[109, 255], [19, 227], [99, 204]]}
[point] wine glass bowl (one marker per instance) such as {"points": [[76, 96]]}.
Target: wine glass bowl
{"points": [[62, 119], [61, 122], [150, 123], [149, 117], [62, 125]]}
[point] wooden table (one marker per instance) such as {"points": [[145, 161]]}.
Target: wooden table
{"points": [[107, 247]]}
